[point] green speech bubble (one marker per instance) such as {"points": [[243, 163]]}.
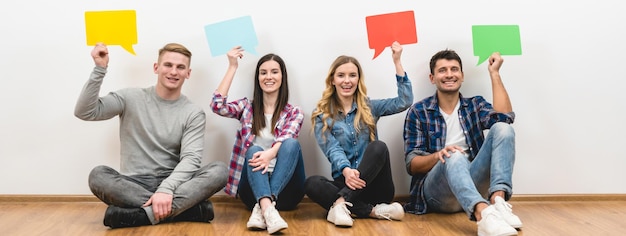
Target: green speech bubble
{"points": [[496, 38]]}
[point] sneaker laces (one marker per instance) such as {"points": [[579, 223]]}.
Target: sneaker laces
{"points": [[273, 218], [383, 211], [257, 213], [385, 215], [492, 213], [507, 207], [344, 207]]}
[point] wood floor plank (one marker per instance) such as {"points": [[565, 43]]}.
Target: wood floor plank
{"points": [[539, 218]]}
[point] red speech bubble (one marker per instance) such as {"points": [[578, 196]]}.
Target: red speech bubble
{"points": [[383, 30]]}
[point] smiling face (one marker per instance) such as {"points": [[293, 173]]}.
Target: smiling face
{"points": [[345, 80], [270, 77], [447, 76], [172, 70]]}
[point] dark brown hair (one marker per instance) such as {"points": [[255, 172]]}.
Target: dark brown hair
{"points": [[258, 116]]}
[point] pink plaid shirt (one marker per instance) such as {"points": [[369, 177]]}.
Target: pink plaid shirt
{"points": [[287, 126]]}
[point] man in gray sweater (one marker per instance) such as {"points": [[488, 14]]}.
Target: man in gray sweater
{"points": [[161, 139]]}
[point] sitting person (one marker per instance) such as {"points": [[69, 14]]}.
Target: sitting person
{"points": [[267, 170], [344, 123], [161, 141], [453, 166]]}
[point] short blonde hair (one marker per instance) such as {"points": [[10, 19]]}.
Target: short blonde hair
{"points": [[175, 47]]}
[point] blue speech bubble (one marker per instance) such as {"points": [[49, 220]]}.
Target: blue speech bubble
{"points": [[223, 36]]}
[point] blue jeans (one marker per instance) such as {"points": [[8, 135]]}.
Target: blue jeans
{"points": [[125, 191], [285, 184], [460, 184]]}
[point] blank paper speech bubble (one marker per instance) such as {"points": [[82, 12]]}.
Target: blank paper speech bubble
{"points": [[383, 30], [224, 35], [112, 28], [496, 38]]}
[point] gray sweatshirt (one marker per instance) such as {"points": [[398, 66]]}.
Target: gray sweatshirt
{"points": [[158, 137]]}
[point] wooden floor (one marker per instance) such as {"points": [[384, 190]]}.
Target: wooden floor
{"points": [[607, 217]]}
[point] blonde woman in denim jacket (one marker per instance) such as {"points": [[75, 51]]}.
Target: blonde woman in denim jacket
{"points": [[344, 124]]}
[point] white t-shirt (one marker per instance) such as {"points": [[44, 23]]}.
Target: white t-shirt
{"points": [[265, 139], [454, 132]]}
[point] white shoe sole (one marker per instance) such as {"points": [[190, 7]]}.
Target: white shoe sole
{"points": [[276, 229]]}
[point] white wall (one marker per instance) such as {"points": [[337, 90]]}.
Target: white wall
{"points": [[566, 88]]}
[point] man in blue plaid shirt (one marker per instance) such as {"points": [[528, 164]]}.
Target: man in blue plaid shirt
{"points": [[454, 167]]}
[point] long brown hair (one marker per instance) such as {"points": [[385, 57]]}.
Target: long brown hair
{"points": [[258, 116]]}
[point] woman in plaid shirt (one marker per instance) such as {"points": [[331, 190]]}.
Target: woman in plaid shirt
{"points": [[266, 168]]}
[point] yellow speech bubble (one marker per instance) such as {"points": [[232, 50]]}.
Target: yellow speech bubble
{"points": [[112, 28]]}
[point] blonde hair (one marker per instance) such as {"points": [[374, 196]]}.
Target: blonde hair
{"points": [[329, 104], [175, 47]]}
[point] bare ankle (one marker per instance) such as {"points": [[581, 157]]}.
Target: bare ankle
{"points": [[264, 203], [496, 194], [478, 209], [339, 200]]}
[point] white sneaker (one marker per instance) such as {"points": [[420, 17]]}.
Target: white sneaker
{"points": [[492, 224], [506, 211], [340, 215], [393, 211], [273, 220], [256, 221]]}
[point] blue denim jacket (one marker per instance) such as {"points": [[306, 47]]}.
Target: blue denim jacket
{"points": [[343, 146]]}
